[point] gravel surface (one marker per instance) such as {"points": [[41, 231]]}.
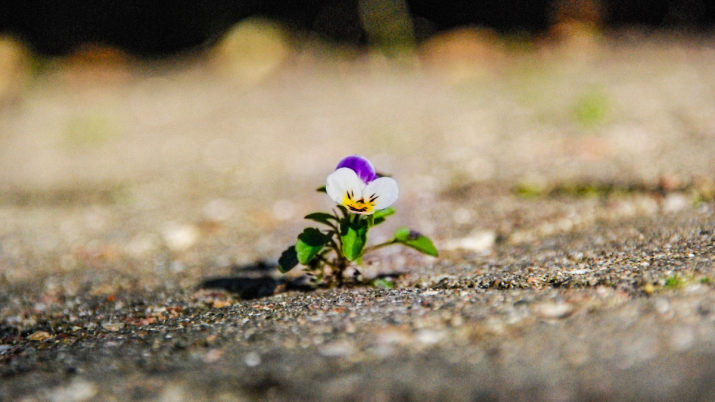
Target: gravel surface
{"points": [[569, 189]]}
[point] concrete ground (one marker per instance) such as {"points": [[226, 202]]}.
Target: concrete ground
{"points": [[569, 187]]}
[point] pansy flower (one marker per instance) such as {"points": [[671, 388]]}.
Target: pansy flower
{"points": [[355, 185]]}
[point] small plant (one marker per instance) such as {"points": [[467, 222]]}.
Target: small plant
{"points": [[364, 200], [673, 282]]}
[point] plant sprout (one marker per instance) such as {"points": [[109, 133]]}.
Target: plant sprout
{"points": [[364, 199]]}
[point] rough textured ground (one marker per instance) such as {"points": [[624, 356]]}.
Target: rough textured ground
{"points": [[569, 188]]}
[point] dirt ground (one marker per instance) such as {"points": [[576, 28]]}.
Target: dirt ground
{"points": [[568, 186]]}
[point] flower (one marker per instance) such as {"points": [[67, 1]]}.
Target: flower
{"points": [[355, 185]]}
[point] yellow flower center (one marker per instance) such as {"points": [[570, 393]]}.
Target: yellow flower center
{"points": [[362, 206]]}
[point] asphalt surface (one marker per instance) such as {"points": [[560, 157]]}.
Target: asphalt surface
{"points": [[569, 189]]}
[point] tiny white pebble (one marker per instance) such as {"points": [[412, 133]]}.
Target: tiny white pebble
{"points": [[252, 359], [661, 305], [430, 337], [675, 202], [337, 349], [553, 310], [579, 271]]}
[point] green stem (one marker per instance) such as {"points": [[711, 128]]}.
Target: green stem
{"points": [[379, 246], [342, 263], [326, 261], [335, 246], [335, 228]]}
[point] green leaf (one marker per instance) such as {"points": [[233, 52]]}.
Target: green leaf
{"points": [[415, 240], [288, 260], [310, 243], [321, 217], [383, 283], [381, 215], [353, 235], [321, 189]]}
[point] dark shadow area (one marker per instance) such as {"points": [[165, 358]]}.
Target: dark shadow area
{"points": [[261, 267], [258, 280], [162, 27], [246, 288], [254, 281]]}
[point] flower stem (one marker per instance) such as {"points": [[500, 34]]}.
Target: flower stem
{"points": [[379, 246], [327, 262]]}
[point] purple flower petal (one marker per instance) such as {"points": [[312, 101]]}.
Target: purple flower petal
{"points": [[361, 166]]}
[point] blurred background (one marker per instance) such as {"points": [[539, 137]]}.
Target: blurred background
{"points": [[167, 136], [159, 28]]}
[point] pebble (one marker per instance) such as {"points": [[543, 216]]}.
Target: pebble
{"points": [[393, 337], [661, 305], [77, 391], [252, 359], [553, 310], [480, 242], [580, 271], [173, 392], [430, 337], [337, 349], [39, 336], [213, 356], [180, 237], [113, 326], [675, 202]]}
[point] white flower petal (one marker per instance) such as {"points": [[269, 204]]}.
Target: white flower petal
{"points": [[342, 181], [385, 188]]}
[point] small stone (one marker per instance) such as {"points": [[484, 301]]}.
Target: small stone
{"points": [[675, 202], [39, 336], [393, 336], [77, 391], [180, 237], [579, 271], [252, 359], [648, 288], [337, 349], [173, 393], [553, 310], [480, 242], [661, 305], [213, 356], [220, 303], [533, 280], [113, 326], [457, 321], [430, 337]]}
